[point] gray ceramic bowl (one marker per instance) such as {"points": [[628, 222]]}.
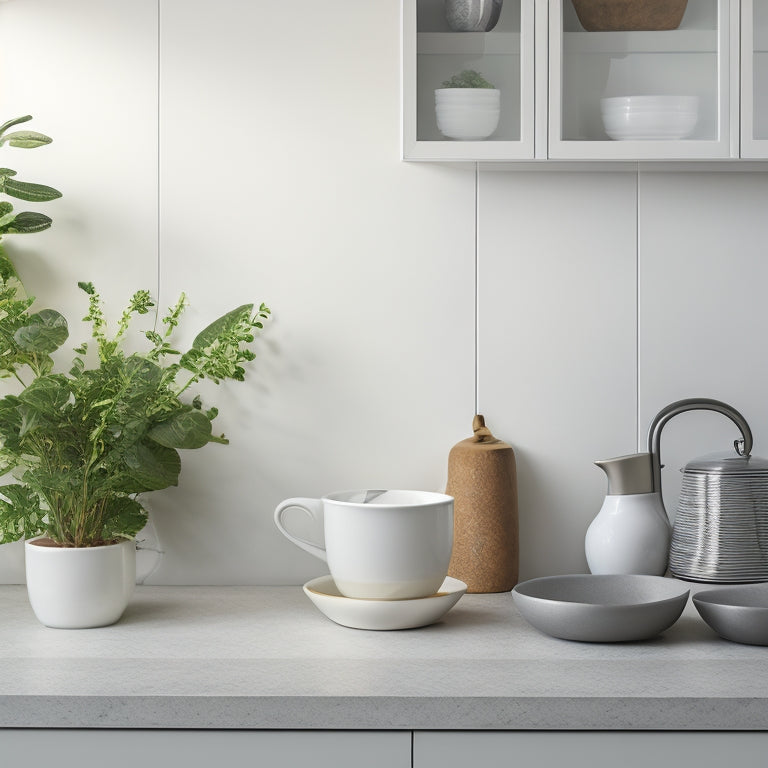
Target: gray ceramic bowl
{"points": [[601, 608], [739, 614]]}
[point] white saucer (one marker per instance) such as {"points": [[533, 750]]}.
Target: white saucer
{"points": [[383, 614]]}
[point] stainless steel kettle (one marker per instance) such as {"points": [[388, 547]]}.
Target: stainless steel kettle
{"points": [[721, 521], [721, 527]]}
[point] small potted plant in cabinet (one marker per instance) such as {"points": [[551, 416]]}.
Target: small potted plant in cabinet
{"points": [[467, 107]]}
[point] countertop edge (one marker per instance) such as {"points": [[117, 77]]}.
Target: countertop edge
{"points": [[383, 713]]}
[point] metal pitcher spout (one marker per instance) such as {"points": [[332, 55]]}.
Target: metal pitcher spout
{"points": [[629, 474]]}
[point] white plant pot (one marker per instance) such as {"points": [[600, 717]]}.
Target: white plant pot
{"points": [[80, 587], [467, 114]]}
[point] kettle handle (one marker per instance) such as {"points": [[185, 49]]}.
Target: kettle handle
{"points": [[693, 404]]}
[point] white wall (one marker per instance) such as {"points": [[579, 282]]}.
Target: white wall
{"points": [[248, 151]]}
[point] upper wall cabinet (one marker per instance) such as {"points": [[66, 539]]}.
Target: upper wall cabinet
{"points": [[642, 94], [440, 45], [584, 80]]}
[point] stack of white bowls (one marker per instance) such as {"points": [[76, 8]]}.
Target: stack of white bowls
{"points": [[467, 114], [649, 117]]}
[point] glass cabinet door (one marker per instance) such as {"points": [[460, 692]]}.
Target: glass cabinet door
{"points": [[468, 79], [650, 87], [754, 78]]}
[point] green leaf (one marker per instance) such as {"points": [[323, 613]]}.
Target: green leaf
{"points": [[58, 481], [27, 222], [153, 466], [16, 121], [8, 272], [20, 513], [26, 139], [45, 332], [30, 420], [8, 461], [48, 395], [10, 418], [23, 190], [185, 429], [189, 359], [124, 518], [149, 374], [225, 325]]}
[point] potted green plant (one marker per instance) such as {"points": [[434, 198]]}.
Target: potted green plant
{"points": [[84, 446], [467, 107]]}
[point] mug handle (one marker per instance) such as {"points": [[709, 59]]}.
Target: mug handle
{"points": [[314, 508]]}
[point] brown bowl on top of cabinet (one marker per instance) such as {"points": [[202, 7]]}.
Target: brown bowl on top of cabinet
{"points": [[629, 15]]}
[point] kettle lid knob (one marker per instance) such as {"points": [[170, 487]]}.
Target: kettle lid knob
{"points": [[628, 474]]}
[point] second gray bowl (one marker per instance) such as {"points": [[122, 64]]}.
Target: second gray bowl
{"points": [[739, 614], [604, 608]]}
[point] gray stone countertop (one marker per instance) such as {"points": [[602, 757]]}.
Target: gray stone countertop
{"points": [[264, 657]]}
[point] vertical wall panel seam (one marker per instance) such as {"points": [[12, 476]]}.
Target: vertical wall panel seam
{"points": [[159, 220], [738, 94], [477, 288], [637, 308]]}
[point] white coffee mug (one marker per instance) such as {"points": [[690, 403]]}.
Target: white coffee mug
{"points": [[383, 545]]}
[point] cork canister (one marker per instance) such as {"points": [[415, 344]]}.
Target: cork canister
{"points": [[482, 479]]}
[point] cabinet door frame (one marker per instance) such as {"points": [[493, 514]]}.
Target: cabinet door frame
{"points": [[751, 147], [725, 146], [414, 149]]}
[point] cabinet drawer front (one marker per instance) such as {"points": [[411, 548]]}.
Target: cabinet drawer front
{"points": [[594, 749], [203, 749]]}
